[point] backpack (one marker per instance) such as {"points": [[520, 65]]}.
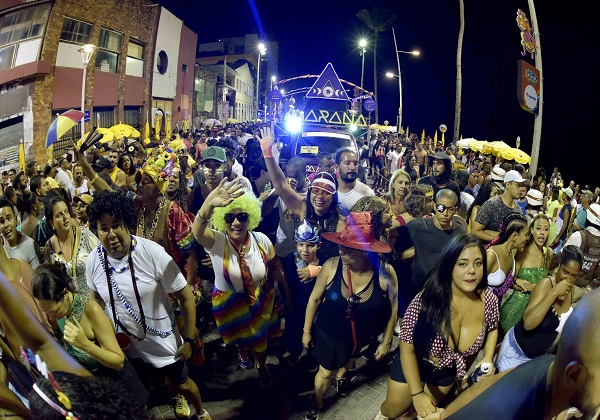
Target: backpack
{"points": [[590, 247]]}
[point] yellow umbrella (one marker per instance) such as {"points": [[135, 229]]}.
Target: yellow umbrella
{"points": [[375, 126], [124, 130], [477, 145], [497, 146], [515, 154]]}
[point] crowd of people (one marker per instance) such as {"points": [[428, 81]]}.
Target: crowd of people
{"points": [[125, 256]]}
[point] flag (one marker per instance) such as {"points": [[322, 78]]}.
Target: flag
{"points": [[435, 140], [423, 137], [147, 130], [21, 156], [443, 140], [407, 134]]}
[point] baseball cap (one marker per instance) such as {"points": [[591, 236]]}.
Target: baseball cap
{"points": [[497, 174], [535, 197], [513, 176], [86, 198], [593, 214], [102, 163], [567, 191], [214, 153]]}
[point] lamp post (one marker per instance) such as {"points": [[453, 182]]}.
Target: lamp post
{"points": [[86, 53], [261, 50], [399, 76], [362, 44]]}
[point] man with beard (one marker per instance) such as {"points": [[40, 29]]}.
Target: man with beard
{"points": [[350, 190], [547, 385], [441, 171], [113, 157], [80, 184]]}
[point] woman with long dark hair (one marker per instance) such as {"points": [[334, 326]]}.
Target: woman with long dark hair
{"points": [[320, 206], [512, 237], [127, 174], [443, 330]]}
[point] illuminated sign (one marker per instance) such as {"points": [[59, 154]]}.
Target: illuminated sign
{"points": [[323, 116]]}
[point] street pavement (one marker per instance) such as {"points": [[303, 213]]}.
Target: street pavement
{"points": [[231, 392]]}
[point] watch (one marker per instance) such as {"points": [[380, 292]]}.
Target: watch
{"points": [[191, 341]]}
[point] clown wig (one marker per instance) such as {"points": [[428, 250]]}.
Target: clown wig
{"points": [[247, 203]]}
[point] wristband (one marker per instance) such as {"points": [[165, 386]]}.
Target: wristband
{"points": [[94, 178], [314, 270], [191, 341], [414, 395], [201, 219]]}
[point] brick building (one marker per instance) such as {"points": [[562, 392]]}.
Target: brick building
{"points": [[41, 69]]}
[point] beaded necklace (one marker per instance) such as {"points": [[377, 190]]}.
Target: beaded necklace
{"points": [[141, 230], [138, 316]]}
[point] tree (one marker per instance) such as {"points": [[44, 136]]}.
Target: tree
{"points": [[458, 103], [377, 20]]}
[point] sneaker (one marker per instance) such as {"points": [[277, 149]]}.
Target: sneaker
{"points": [[264, 377], [342, 386], [244, 361], [182, 409], [313, 412], [204, 416]]}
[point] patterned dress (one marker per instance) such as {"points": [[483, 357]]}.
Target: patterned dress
{"points": [[513, 309]]}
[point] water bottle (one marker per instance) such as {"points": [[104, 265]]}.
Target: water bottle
{"points": [[300, 263], [481, 370]]}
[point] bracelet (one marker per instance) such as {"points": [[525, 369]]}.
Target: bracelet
{"points": [[414, 395], [201, 219], [94, 178], [305, 330]]}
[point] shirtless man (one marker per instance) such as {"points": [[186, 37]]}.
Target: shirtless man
{"points": [[422, 159]]}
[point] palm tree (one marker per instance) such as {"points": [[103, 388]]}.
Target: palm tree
{"points": [[378, 21], [458, 103]]}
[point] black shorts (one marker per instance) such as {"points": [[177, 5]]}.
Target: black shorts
{"points": [[176, 372], [429, 373]]}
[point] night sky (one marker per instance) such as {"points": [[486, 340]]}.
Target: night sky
{"points": [[312, 33]]}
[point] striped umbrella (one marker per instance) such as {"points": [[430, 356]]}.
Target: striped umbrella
{"points": [[61, 124]]}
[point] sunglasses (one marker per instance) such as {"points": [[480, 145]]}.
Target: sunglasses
{"points": [[320, 191], [442, 208], [230, 217]]}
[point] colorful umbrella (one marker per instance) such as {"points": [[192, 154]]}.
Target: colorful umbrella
{"points": [[61, 124]]}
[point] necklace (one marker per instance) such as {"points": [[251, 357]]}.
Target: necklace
{"points": [[142, 221], [61, 252]]}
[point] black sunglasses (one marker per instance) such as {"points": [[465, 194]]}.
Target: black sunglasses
{"points": [[230, 217], [352, 301]]}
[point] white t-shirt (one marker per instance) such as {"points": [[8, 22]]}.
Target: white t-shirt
{"points": [[348, 199], [253, 259], [25, 250], [82, 189], [393, 156], [157, 275]]}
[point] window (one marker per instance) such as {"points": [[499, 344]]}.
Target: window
{"points": [[162, 63], [132, 116], [135, 59], [75, 31], [109, 48], [16, 27], [105, 116]]}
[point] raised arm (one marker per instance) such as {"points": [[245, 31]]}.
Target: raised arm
{"points": [[294, 201], [94, 179]]}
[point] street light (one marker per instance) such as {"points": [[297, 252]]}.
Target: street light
{"points": [[399, 76], [363, 49], [261, 51], [86, 53]]}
